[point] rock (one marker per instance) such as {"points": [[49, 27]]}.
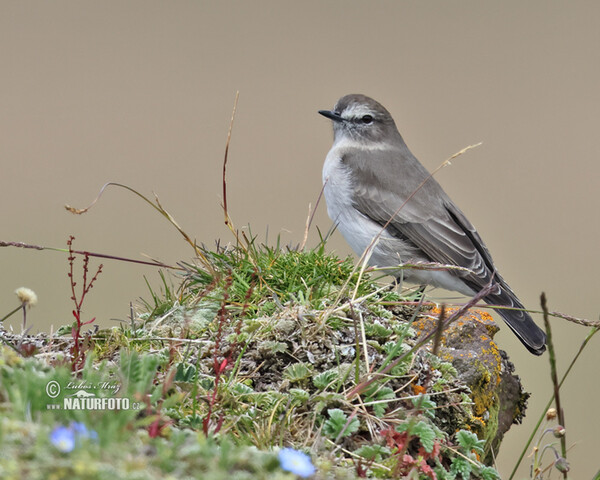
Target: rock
{"points": [[497, 394]]}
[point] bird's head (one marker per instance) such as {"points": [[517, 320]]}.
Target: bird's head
{"points": [[360, 118]]}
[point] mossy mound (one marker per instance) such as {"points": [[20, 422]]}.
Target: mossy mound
{"points": [[275, 347]]}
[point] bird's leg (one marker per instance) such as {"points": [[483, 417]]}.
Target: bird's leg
{"points": [[396, 283]]}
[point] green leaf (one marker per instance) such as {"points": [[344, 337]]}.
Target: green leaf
{"points": [[423, 430], [337, 422], [206, 383], [299, 395], [469, 441], [461, 466], [138, 371], [377, 394], [443, 474], [426, 434], [242, 389], [489, 473], [273, 346], [373, 453], [326, 399], [448, 371], [425, 404], [185, 372], [297, 372], [265, 400], [375, 330], [65, 329], [395, 349], [325, 379]]}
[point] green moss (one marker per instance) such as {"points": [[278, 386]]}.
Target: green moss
{"points": [[258, 350]]}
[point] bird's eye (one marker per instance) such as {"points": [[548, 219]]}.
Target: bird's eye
{"points": [[367, 119]]}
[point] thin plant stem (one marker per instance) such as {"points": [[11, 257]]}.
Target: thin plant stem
{"points": [[228, 220], [554, 376], [12, 312], [152, 263], [593, 331]]}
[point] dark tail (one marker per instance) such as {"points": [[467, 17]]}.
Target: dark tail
{"points": [[519, 321]]}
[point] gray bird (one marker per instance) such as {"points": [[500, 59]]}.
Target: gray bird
{"points": [[372, 181]]}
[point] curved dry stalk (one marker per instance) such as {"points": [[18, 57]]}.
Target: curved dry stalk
{"points": [[228, 220], [157, 206]]}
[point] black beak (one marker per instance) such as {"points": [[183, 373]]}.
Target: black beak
{"points": [[336, 117]]}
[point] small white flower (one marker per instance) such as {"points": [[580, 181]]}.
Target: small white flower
{"points": [[27, 297]]}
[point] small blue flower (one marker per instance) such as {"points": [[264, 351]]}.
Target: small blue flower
{"points": [[81, 431], [296, 462], [79, 428], [63, 438]]}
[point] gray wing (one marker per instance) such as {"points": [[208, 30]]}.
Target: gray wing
{"points": [[425, 217], [434, 225]]}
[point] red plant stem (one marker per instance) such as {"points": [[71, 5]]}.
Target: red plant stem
{"points": [[78, 357], [218, 367], [221, 364]]}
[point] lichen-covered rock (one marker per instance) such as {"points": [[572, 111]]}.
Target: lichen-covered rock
{"points": [[497, 394]]}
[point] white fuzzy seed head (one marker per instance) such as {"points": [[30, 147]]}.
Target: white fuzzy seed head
{"points": [[26, 296]]}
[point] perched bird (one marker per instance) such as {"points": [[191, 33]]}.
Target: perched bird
{"points": [[374, 186]]}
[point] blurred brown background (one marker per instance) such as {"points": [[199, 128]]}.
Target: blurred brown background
{"points": [[141, 92]]}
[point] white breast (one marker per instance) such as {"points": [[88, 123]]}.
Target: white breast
{"points": [[357, 229]]}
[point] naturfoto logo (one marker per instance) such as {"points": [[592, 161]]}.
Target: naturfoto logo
{"points": [[88, 396]]}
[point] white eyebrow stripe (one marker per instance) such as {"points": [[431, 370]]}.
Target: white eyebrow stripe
{"points": [[356, 111]]}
